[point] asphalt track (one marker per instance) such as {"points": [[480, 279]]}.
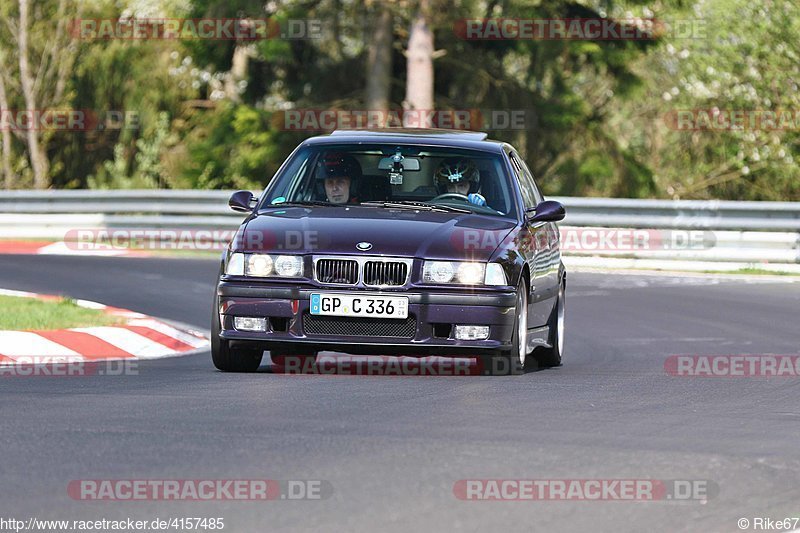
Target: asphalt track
{"points": [[393, 447]]}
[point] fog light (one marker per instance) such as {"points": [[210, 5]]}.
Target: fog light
{"points": [[248, 323], [472, 333]]}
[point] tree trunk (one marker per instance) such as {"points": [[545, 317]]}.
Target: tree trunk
{"points": [[379, 60], [238, 72], [9, 179], [37, 154], [419, 73]]}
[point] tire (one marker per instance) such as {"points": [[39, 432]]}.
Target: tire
{"points": [[229, 359], [547, 357], [516, 360]]}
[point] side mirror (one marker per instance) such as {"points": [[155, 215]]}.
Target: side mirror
{"points": [[241, 201], [547, 211]]}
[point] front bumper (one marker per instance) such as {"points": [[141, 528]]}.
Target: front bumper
{"points": [[433, 312]]}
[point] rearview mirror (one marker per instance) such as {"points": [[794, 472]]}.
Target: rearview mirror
{"points": [[242, 201], [408, 163], [547, 211]]}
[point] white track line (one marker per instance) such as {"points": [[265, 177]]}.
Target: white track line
{"points": [[21, 294], [62, 248]]}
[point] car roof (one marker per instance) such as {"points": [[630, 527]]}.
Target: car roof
{"points": [[475, 140]]}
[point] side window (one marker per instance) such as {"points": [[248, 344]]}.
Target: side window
{"points": [[292, 183], [532, 183], [528, 195]]}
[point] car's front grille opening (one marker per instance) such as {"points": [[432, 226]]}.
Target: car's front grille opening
{"points": [[442, 331], [359, 327], [339, 271], [279, 323], [386, 273]]}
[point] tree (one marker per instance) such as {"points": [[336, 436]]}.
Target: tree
{"points": [[379, 58], [746, 61], [39, 160], [419, 60], [9, 178], [44, 61]]}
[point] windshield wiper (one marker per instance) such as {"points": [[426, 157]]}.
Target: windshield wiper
{"points": [[407, 204]]}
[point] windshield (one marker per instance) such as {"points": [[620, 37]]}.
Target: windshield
{"points": [[384, 175]]}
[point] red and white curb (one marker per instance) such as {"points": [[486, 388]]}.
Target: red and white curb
{"points": [[140, 337]]}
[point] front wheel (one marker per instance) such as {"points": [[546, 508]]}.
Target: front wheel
{"points": [[229, 359], [552, 356], [514, 361]]}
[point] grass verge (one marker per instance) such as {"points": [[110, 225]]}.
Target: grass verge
{"points": [[31, 313]]}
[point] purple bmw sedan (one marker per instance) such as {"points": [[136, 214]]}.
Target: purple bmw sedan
{"points": [[401, 242]]}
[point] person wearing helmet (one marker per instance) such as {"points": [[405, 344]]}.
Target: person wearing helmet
{"points": [[339, 173], [459, 175]]}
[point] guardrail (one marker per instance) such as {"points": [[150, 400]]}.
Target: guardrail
{"points": [[749, 233], [611, 212]]}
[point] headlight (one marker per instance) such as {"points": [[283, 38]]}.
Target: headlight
{"points": [[470, 273], [263, 265], [465, 273], [438, 272], [495, 275], [259, 265], [235, 265], [289, 266]]}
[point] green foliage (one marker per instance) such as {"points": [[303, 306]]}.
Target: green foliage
{"points": [[230, 147], [746, 61], [140, 79], [148, 172], [596, 111]]}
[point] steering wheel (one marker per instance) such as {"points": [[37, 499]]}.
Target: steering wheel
{"points": [[453, 195]]}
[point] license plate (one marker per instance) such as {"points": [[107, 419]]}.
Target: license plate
{"points": [[361, 305]]}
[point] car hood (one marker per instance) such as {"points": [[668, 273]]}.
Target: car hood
{"points": [[391, 232]]}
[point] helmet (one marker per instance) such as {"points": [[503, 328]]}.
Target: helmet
{"points": [[457, 170], [335, 165]]}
